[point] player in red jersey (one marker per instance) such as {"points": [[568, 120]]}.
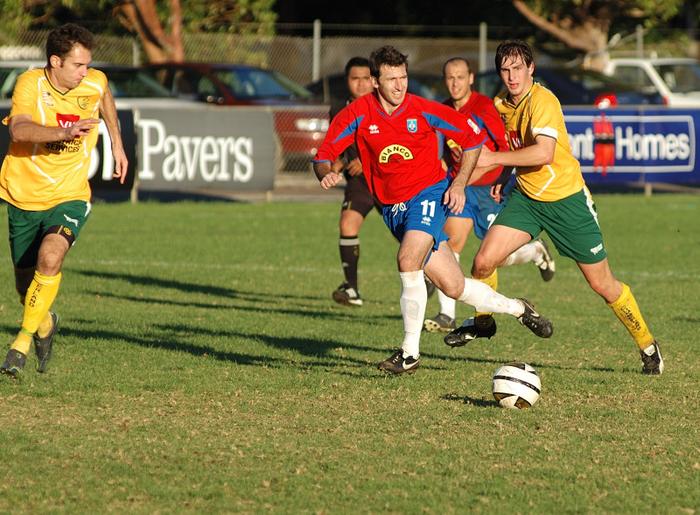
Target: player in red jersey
{"points": [[395, 134], [480, 209]]}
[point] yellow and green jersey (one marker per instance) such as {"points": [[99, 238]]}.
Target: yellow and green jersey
{"points": [[38, 176], [539, 113]]}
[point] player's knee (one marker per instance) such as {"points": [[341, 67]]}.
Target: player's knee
{"points": [[482, 267]]}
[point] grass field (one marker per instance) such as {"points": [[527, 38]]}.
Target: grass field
{"points": [[202, 367]]}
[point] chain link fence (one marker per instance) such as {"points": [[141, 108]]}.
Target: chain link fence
{"points": [[304, 52]]}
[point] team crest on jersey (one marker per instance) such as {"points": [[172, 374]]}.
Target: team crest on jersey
{"points": [[390, 150], [514, 140], [83, 102], [46, 99], [412, 125]]}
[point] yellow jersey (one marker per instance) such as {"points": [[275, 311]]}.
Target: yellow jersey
{"points": [[38, 176], [539, 113]]}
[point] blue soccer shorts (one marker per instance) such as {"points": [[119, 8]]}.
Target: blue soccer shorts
{"points": [[481, 208], [424, 212]]}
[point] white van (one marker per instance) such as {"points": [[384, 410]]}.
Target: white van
{"points": [[676, 79]]}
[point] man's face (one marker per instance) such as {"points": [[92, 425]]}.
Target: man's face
{"points": [[459, 80], [359, 81], [516, 76], [72, 69], [392, 83]]}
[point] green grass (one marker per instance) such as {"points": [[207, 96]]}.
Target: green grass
{"points": [[202, 367]]}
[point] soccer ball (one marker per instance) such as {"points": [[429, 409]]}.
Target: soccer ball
{"points": [[516, 385]]}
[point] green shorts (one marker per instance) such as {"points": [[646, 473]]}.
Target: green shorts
{"points": [[28, 228], [571, 223]]}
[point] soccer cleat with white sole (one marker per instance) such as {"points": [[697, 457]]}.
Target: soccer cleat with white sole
{"points": [[398, 364], [440, 323], [347, 295]]}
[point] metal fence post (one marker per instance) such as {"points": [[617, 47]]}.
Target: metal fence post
{"points": [[639, 32], [316, 66], [483, 41]]}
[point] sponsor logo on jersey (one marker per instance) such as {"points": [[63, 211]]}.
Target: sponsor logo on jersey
{"points": [[390, 150], [412, 124], [66, 120], [83, 102], [514, 140], [373, 129]]}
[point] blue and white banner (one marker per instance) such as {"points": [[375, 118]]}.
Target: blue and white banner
{"points": [[635, 144]]}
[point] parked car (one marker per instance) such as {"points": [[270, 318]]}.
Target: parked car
{"points": [[125, 82], [332, 89], [300, 122], [575, 86], [676, 80]]}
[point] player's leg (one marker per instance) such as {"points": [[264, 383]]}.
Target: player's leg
{"points": [[620, 299], [457, 230], [415, 246], [357, 203], [537, 252], [445, 272], [417, 224], [55, 242]]}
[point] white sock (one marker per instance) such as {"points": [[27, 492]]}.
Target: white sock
{"points": [[529, 252], [486, 300], [448, 305], [414, 297]]}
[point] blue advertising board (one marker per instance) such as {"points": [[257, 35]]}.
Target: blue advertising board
{"points": [[640, 144]]}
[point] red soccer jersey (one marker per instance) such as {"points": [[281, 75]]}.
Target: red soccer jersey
{"points": [[481, 110], [399, 152]]}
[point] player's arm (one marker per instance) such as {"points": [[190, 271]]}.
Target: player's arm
{"points": [[537, 155], [109, 114], [24, 130], [454, 196], [340, 135]]}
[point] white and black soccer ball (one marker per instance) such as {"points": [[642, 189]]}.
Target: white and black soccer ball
{"points": [[516, 385]]}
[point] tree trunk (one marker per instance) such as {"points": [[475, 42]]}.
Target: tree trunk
{"points": [[141, 17]]}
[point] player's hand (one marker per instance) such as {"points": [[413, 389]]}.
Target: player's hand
{"points": [[496, 192], [80, 128], [455, 198], [121, 164], [330, 179], [355, 167]]}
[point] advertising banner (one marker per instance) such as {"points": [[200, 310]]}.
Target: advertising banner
{"points": [[187, 148], [635, 144]]}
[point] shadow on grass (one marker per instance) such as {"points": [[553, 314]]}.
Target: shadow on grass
{"points": [[481, 403], [188, 287]]}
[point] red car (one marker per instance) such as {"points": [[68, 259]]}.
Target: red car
{"points": [[300, 123]]}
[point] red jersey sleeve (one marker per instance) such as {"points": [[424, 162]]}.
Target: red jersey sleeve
{"points": [[452, 125], [341, 134]]}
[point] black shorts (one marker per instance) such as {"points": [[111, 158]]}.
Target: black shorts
{"points": [[357, 195]]}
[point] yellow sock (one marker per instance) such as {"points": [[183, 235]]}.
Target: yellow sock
{"points": [[492, 281], [40, 296], [22, 342], [626, 309], [45, 326]]}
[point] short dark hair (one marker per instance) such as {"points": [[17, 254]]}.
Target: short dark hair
{"points": [[513, 48], [387, 55], [359, 62], [457, 60], [62, 40]]}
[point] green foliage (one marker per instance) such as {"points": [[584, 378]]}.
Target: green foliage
{"points": [[202, 367]]}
